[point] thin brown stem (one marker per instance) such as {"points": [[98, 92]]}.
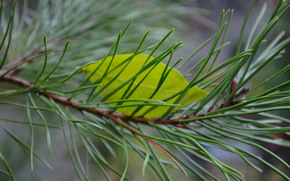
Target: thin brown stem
{"points": [[107, 113], [24, 58], [75, 104]]}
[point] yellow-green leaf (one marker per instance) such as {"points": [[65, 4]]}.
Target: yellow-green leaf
{"points": [[173, 83]]}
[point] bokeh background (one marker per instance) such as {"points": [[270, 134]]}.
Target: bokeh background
{"points": [[193, 27]]}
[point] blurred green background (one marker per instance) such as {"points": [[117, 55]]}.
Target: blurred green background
{"points": [[194, 22]]}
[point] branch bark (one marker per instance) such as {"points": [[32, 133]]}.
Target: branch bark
{"points": [[107, 113]]}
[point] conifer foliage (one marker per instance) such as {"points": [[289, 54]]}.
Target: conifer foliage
{"points": [[118, 97]]}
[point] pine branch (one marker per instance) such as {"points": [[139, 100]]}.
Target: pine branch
{"points": [[221, 114], [178, 122]]}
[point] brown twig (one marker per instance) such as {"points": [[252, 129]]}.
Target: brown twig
{"points": [[75, 104], [117, 117], [107, 113], [18, 61], [24, 58]]}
